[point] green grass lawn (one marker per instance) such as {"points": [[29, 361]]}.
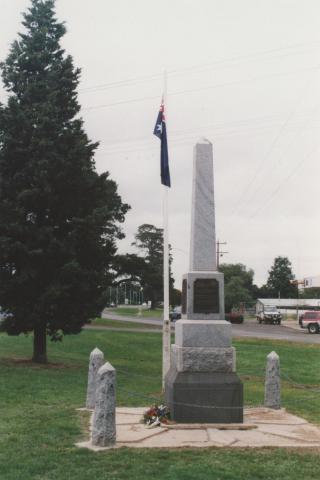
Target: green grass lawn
{"points": [[133, 312], [122, 324], [39, 424]]}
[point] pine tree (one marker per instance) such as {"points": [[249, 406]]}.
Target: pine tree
{"points": [[280, 280], [149, 240], [59, 219]]}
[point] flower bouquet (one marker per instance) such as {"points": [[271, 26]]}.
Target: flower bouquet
{"points": [[157, 415]]}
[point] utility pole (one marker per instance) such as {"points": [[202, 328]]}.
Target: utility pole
{"points": [[219, 252]]}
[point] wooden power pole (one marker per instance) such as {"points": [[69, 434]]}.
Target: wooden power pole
{"points": [[219, 252]]}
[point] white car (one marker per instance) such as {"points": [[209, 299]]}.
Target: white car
{"points": [[175, 314], [269, 314]]}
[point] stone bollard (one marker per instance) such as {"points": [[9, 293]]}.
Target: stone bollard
{"points": [[272, 392], [95, 362], [104, 419]]}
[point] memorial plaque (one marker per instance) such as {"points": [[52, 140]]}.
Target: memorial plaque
{"points": [[206, 295], [184, 297]]}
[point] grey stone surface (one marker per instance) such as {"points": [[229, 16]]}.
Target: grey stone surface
{"points": [[272, 393], [191, 277], [203, 239], [204, 397], [203, 359], [203, 333], [234, 365], [104, 419], [95, 362]]}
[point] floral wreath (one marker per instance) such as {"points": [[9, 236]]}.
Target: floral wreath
{"points": [[157, 415]]}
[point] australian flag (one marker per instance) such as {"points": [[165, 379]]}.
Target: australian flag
{"points": [[161, 132]]}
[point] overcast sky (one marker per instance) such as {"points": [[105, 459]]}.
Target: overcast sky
{"points": [[244, 74]]}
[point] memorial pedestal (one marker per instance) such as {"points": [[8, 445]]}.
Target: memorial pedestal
{"points": [[201, 385], [204, 397]]}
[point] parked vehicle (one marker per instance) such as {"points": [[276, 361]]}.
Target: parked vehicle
{"points": [[269, 314], [175, 314], [311, 321], [234, 317], [4, 315]]}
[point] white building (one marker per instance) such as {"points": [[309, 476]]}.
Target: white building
{"points": [[309, 282], [287, 305]]}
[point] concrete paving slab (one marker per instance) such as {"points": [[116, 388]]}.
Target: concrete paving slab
{"points": [[267, 415], [257, 438], [129, 416], [132, 410], [262, 427], [224, 437], [178, 438], [306, 433], [136, 433]]}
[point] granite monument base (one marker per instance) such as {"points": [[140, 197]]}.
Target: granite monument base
{"points": [[204, 397]]}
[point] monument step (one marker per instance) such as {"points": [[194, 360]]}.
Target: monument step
{"points": [[203, 359]]}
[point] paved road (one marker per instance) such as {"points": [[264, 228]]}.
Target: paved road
{"points": [[274, 332], [145, 321], [123, 329], [248, 329]]}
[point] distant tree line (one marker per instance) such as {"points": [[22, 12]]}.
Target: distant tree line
{"points": [[240, 289]]}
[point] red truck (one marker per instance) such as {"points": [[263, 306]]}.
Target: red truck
{"points": [[311, 321]]}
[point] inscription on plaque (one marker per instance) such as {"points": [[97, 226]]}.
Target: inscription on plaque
{"points": [[184, 297], [206, 295]]}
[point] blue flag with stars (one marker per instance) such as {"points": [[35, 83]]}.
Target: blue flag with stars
{"points": [[161, 132]]}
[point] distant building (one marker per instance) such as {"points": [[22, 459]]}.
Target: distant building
{"points": [[284, 304], [309, 282]]}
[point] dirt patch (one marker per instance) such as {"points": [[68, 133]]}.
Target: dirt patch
{"points": [[26, 362]]}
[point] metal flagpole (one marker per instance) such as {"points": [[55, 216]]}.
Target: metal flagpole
{"points": [[166, 331]]}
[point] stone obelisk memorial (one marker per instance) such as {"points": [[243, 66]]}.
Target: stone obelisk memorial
{"points": [[202, 384]]}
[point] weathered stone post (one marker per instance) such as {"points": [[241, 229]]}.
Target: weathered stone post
{"points": [[95, 362], [272, 392], [104, 419]]}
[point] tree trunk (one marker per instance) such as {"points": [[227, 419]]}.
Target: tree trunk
{"points": [[40, 344]]}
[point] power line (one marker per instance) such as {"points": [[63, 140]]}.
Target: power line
{"points": [[294, 171], [194, 90], [249, 125], [142, 144], [181, 71], [148, 148], [120, 83], [278, 188], [264, 159], [253, 56]]}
